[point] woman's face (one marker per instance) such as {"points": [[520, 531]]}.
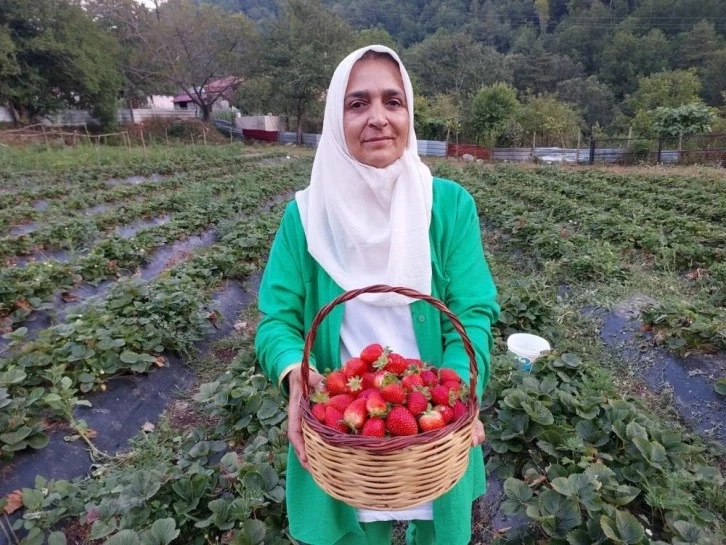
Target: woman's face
{"points": [[375, 113]]}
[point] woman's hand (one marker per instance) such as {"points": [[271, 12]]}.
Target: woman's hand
{"points": [[294, 415], [479, 436]]}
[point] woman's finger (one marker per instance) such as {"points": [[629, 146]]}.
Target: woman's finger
{"points": [[478, 435]]}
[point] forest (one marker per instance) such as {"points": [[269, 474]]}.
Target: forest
{"points": [[490, 72]]}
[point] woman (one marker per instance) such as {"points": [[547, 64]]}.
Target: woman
{"points": [[373, 214]]}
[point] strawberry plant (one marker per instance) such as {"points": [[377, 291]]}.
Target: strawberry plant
{"points": [[586, 465]]}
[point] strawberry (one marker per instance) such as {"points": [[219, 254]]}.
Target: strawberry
{"points": [[374, 427], [336, 383], [376, 405], [371, 353], [394, 393], [396, 364], [400, 421], [413, 362], [446, 374], [446, 412], [460, 409], [431, 420], [340, 402], [381, 378], [412, 381], [334, 419], [365, 394], [355, 367], [416, 402], [355, 385], [430, 378], [319, 412], [440, 395], [368, 380], [453, 385], [355, 414]]}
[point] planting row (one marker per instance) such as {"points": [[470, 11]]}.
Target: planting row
{"points": [[24, 289]]}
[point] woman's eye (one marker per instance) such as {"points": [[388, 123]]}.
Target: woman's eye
{"points": [[395, 103], [355, 105]]}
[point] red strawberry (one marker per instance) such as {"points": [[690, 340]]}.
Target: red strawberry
{"points": [[460, 409], [336, 383], [319, 412], [431, 420], [440, 395], [355, 414], [400, 421], [412, 381], [355, 367], [453, 385], [446, 412], [340, 402], [412, 362], [371, 353], [396, 364], [374, 427], [446, 374], [334, 419], [430, 378], [381, 378], [376, 405], [368, 380], [394, 393], [355, 385], [365, 394], [416, 402]]}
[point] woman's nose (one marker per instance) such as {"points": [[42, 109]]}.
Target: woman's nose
{"points": [[377, 116]]}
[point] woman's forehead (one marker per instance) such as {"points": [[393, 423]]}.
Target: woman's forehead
{"points": [[375, 73]]}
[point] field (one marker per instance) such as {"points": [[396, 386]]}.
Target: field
{"points": [[128, 382]]}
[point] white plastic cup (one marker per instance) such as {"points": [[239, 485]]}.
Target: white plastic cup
{"points": [[527, 348]]}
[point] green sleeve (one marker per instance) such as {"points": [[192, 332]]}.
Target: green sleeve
{"points": [[280, 334], [470, 293]]}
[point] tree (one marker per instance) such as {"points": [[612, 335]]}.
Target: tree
{"points": [[714, 79], [550, 120], [693, 118], [491, 109], [448, 62], [53, 56], [665, 89], [594, 100], [305, 45], [697, 47], [628, 57], [203, 49], [142, 70]]}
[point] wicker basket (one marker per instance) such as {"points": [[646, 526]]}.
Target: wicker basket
{"points": [[389, 473]]}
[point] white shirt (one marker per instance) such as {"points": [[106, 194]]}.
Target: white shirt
{"points": [[364, 324]]}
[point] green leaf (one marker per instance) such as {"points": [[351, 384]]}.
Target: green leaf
{"points": [[124, 537], [127, 356], [633, 430], [517, 490], [720, 386], [12, 376], [16, 436], [162, 532], [268, 409], [571, 360], [254, 531], [625, 529], [35, 537], [38, 441], [538, 412], [101, 528], [57, 538]]}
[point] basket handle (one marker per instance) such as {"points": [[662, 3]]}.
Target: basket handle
{"points": [[382, 288]]}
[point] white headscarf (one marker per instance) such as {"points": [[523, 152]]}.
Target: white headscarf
{"points": [[367, 225]]}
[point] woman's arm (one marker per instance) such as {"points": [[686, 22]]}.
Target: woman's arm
{"points": [[470, 294], [280, 334]]}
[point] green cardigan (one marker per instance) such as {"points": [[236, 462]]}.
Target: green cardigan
{"points": [[294, 287]]}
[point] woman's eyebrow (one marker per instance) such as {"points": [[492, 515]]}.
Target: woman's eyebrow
{"points": [[366, 94]]}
